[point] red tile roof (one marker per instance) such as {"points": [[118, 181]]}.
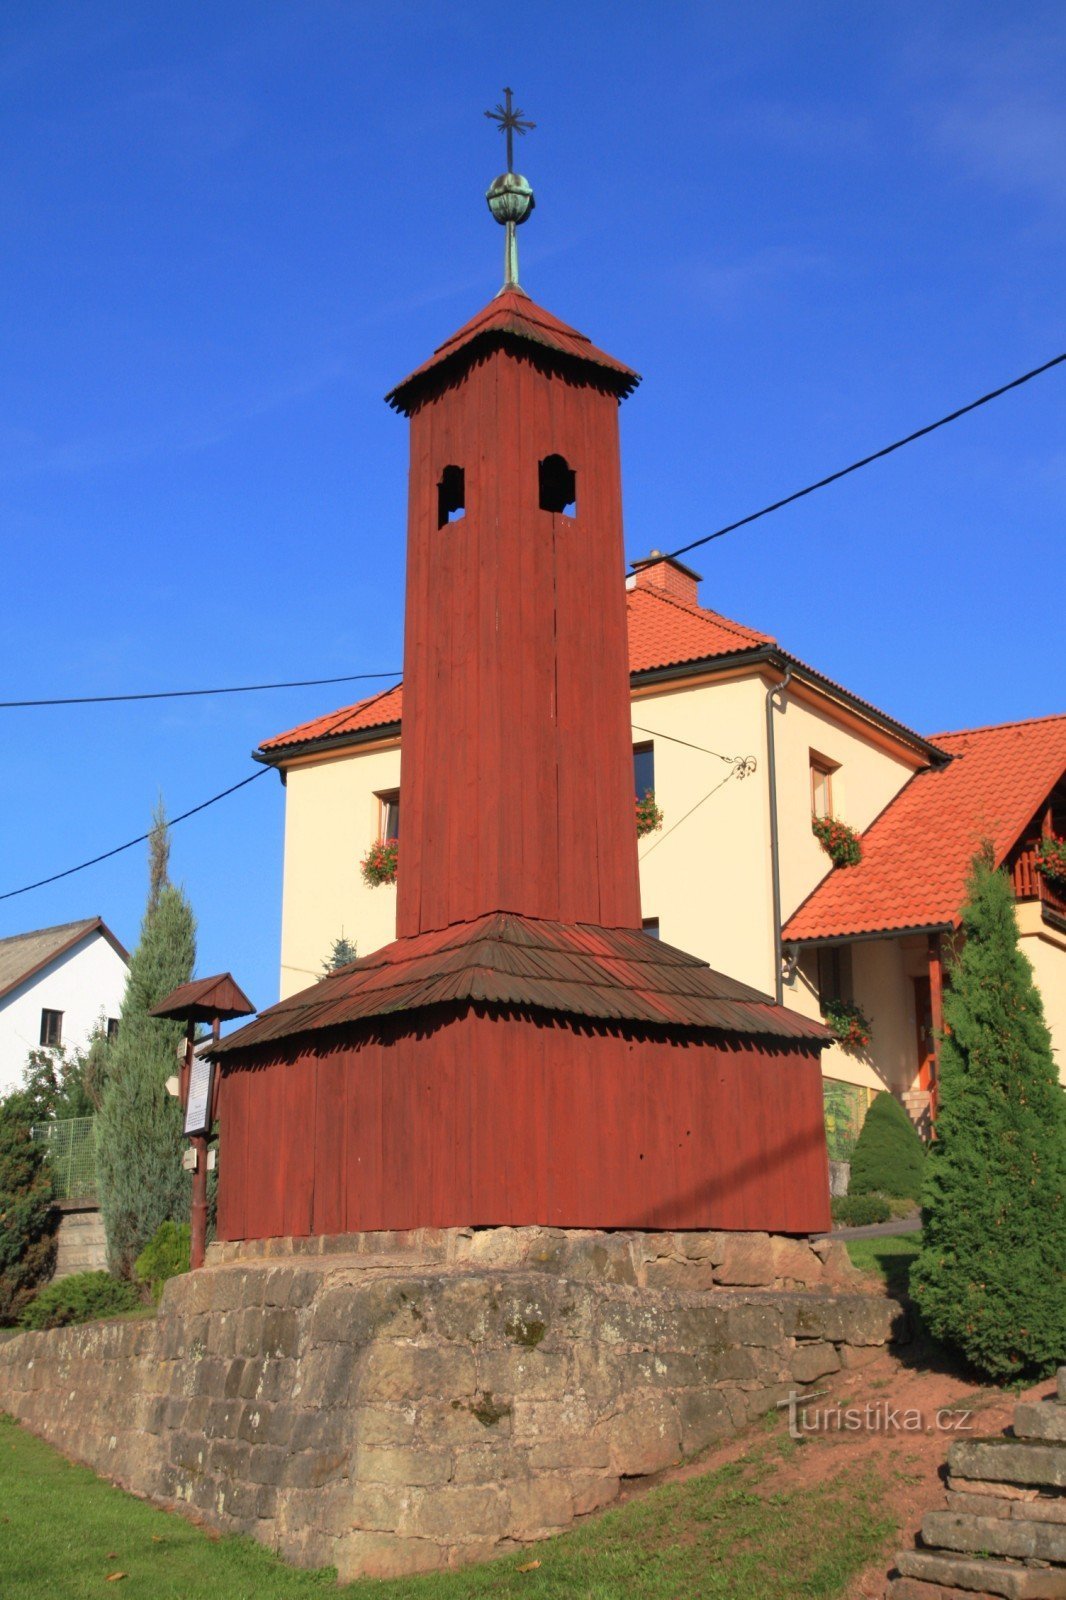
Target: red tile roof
{"points": [[503, 959], [663, 631], [513, 315], [917, 853]]}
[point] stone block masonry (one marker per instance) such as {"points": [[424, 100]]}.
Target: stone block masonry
{"points": [[389, 1404]]}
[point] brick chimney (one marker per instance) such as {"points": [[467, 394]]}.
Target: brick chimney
{"points": [[668, 575]]}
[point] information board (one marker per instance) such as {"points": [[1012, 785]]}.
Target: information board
{"points": [[198, 1108]]}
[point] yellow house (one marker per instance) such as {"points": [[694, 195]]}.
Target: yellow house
{"points": [[740, 742]]}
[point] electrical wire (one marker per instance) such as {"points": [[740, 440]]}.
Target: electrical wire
{"points": [[140, 839], [878, 455], [694, 544], [184, 694], [736, 772], [702, 748]]}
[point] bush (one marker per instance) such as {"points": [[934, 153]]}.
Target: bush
{"points": [[902, 1206], [860, 1210], [29, 1221], [889, 1157], [166, 1255], [991, 1278], [82, 1297]]}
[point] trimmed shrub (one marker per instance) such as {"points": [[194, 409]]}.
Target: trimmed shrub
{"points": [[991, 1276], [82, 1297], [29, 1221], [889, 1157], [859, 1210], [166, 1255]]}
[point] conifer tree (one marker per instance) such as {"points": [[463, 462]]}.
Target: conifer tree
{"points": [[888, 1157], [991, 1276], [343, 951], [138, 1142], [28, 1219]]}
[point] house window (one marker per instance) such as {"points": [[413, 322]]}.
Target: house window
{"points": [[51, 1028], [112, 1029], [822, 772], [834, 973], [558, 486], [451, 496], [651, 926], [643, 769], [389, 815]]}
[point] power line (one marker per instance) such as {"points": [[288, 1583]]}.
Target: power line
{"points": [[877, 455], [140, 839], [694, 544], [184, 694], [733, 774], [702, 748]]}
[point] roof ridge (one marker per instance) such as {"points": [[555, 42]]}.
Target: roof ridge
{"points": [[693, 608], [996, 727], [55, 927]]}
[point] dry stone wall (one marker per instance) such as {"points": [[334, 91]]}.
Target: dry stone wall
{"points": [[389, 1404]]}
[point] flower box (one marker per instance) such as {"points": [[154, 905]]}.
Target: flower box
{"points": [[649, 816], [1051, 860], [848, 1023], [841, 844], [378, 866]]}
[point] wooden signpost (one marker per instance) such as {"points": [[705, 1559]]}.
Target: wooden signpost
{"points": [[210, 1000]]}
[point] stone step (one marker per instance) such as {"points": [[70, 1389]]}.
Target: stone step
{"points": [[915, 1589], [1000, 1536], [989, 1505], [1002, 1491], [999, 1578], [1040, 1419], [1009, 1461]]}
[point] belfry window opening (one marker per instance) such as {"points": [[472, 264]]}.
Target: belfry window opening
{"points": [[451, 496], [558, 486]]}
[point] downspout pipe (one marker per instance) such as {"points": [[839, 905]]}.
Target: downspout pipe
{"points": [[773, 694]]}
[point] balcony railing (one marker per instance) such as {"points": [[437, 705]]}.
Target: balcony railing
{"points": [[1029, 884]]}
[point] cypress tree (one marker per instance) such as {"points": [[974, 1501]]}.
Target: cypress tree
{"points": [[139, 1142], [991, 1276]]}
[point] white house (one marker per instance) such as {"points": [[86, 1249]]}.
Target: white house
{"points": [[55, 984]]}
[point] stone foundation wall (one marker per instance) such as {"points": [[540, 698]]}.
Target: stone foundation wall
{"points": [[386, 1410]]}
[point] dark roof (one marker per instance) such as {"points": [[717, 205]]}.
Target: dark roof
{"points": [[506, 960], [916, 855], [23, 955], [204, 999], [512, 316]]}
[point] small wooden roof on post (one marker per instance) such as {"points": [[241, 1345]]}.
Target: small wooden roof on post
{"points": [[205, 999]]}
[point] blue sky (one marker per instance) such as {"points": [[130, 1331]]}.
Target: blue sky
{"points": [[228, 230]]}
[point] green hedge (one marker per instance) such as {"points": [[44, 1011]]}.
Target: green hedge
{"points": [[166, 1255], [82, 1297], [889, 1157], [860, 1210]]}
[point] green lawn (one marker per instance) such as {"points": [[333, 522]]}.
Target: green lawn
{"points": [[892, 1256], [731, 1533]]}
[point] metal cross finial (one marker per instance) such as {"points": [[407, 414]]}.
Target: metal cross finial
{"points": [[511, 121]]}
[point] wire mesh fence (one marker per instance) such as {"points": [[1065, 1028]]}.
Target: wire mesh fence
{"points": [[71, 1147]]}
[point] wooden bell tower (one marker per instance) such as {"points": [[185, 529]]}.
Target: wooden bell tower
{"points": [[517, 755]]}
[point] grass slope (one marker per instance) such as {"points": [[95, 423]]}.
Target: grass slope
{"points": [[63, 1532], [892, 1256]]}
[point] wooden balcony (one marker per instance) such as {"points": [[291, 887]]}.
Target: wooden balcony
{"points": [[1032, 885]]}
